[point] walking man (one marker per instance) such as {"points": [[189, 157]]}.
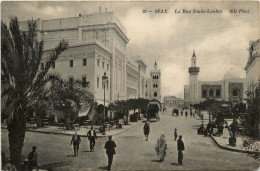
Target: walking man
{"points": [[110, 150], [186, 114], [175, 134], [146, 130], [92, 136], [75, 141], [32, 159], [180, 148]]}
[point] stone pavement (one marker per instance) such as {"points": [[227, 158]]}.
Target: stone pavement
{"points": [[82, 131]]}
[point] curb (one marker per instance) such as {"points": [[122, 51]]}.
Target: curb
{"points": [[66, 134], [231, 149]]}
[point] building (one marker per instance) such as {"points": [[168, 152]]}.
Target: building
{"points": [[230, 88], [154, 83], [97, 44], [253, 65], [172, 101]]}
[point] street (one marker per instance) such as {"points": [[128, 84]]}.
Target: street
{"points": [[134, 153]]}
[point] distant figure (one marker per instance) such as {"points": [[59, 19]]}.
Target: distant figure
{"points": [[146, 130], [75, 141], [186, 114], [180, 148], [175, 134], [161, 147], [32, 159], [190, 113], [110, 151], [181, 112], [92, 137]]}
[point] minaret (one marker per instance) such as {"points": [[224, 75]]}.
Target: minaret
{"points": [[155, 76], [193, 82]]}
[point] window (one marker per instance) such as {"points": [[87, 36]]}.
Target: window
{"points": [[84, 81], [155, 94], [103, 64], [107, 67], [107, 85], [235, 92], [42, 66], [211, 92], [71, 63], [218, 93], [204, 93], [97, 62], [53, 65], [84, 62], [97, 82]]}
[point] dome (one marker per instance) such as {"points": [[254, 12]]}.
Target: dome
{"points": [[235, 72]]}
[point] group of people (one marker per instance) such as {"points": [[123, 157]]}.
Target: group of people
{"points": [[209, 129], [161, 148], [110, 145], [161, 145]]}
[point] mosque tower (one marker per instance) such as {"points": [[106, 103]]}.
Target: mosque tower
{"points": [[193, 81], [155, 76]]}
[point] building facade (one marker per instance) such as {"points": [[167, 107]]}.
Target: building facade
{"points": [[172, 101], [253, 65], [108, 37], [230, 88]]}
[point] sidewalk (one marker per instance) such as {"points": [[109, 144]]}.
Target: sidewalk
{"points": [[82, 131], [223, 143]]}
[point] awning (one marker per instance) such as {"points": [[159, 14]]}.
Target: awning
{"points": [[101, 102], [84, 110]]}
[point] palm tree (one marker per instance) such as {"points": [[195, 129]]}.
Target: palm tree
{"points": [[22, 80], [68, 96]]}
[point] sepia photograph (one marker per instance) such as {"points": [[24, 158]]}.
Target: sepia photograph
{"points": [[130, 85]]}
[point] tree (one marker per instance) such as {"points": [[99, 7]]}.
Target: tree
{"points": [[252, 119], [68, 96], [22, 79]]}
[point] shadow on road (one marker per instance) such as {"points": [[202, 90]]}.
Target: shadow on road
{"points": [[103, 167], [53, 165], [70, 156], [175, 164], [86, 151], [158, 161]]}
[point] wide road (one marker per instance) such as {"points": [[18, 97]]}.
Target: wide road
{"points": [[134, 153]]}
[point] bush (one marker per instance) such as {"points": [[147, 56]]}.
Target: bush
{"points": [[250, 144]]}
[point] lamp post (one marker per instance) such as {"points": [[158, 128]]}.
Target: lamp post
{"points": [[104, 80]]}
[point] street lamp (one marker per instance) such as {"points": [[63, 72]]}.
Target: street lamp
{"points": [[104, 80]]}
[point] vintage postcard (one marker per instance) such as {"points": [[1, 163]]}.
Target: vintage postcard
{"points": [[127, 85]]}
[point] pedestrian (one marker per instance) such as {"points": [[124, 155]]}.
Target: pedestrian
{"points": [[32, 159], [181, 112], [92, 137], [161, 147], [110, 150], [175, 134], [146, 130], [180, 148], [186, 114], [75, 141]]}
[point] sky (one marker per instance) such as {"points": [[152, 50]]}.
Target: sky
{"points": [[220, 40]]}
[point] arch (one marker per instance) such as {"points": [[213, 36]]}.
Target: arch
{"points": [[156, 85], [235, 92], [218, 93], [155, 94], [211, 93], [204, 93]]}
